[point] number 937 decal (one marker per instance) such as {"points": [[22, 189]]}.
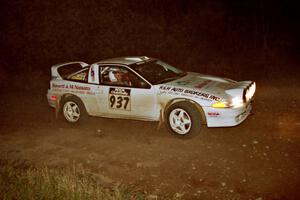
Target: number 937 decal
{"points": [[119, 98]]}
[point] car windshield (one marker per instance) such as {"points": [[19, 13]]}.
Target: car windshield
{"points": [[157, 72]]}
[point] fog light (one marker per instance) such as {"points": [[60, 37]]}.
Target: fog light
{"points": [[220, 104]]}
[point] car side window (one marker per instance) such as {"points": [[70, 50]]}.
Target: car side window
{"points": [[121, 76], [81, 76]]}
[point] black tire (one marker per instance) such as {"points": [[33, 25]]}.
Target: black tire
{"points": [[183, 119], [72, 109]]}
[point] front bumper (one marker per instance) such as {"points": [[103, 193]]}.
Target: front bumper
{"points": [[226, 117]]}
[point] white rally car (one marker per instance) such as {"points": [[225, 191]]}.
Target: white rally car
{"points": [[148, 89]]}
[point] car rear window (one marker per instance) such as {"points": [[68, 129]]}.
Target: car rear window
{"points": [[67, 70]]}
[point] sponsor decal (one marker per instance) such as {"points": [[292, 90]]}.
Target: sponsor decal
{"points": [[187, 92], [119, 98], [75, 88], [78, 87], [214, 98], [66, 86], [58, 85], [201, 85], [165, 87], [197, 93], [213, 114]]}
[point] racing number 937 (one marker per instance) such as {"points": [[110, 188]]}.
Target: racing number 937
{"points": [[119, 98]]}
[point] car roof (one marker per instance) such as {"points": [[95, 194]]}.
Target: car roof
{"points": [[129, 60]]}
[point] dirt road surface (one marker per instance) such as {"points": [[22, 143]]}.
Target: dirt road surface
{"points": [[259, 159]]}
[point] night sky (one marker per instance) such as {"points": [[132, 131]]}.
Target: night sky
{"points": [[220, 37]]}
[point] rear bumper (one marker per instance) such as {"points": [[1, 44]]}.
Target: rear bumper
{"points": [[227, 117], [51, 102]]}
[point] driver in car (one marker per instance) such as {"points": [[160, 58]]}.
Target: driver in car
{"points": [[119, 77]]}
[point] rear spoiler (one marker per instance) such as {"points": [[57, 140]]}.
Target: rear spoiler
{"points": [[68, 68], [244, 90]]}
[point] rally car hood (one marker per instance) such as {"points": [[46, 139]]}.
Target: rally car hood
{"points": [[220, 87]]}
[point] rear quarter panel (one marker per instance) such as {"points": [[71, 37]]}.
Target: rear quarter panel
{"points": [[85, 91]]}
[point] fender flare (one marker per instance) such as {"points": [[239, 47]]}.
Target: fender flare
{"points": [[171, 102], [67, 95]]}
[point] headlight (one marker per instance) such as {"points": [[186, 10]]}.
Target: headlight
{"points": [[250, 91]]}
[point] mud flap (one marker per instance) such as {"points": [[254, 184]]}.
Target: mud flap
{"points": [[57, 108], [161, 120]]}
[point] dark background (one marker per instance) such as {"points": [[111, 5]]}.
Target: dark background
{"points": [[240, 39]]}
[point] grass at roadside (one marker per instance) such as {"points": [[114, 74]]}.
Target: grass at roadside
{"points": [[45, 183]]}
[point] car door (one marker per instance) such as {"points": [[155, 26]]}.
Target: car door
{"points": [[131, 97]]}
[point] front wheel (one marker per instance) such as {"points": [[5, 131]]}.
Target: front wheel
{"points": [[183, 119], [73, 110]]}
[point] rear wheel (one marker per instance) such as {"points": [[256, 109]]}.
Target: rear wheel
{"points": [[73, 110], [183, 119]]}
